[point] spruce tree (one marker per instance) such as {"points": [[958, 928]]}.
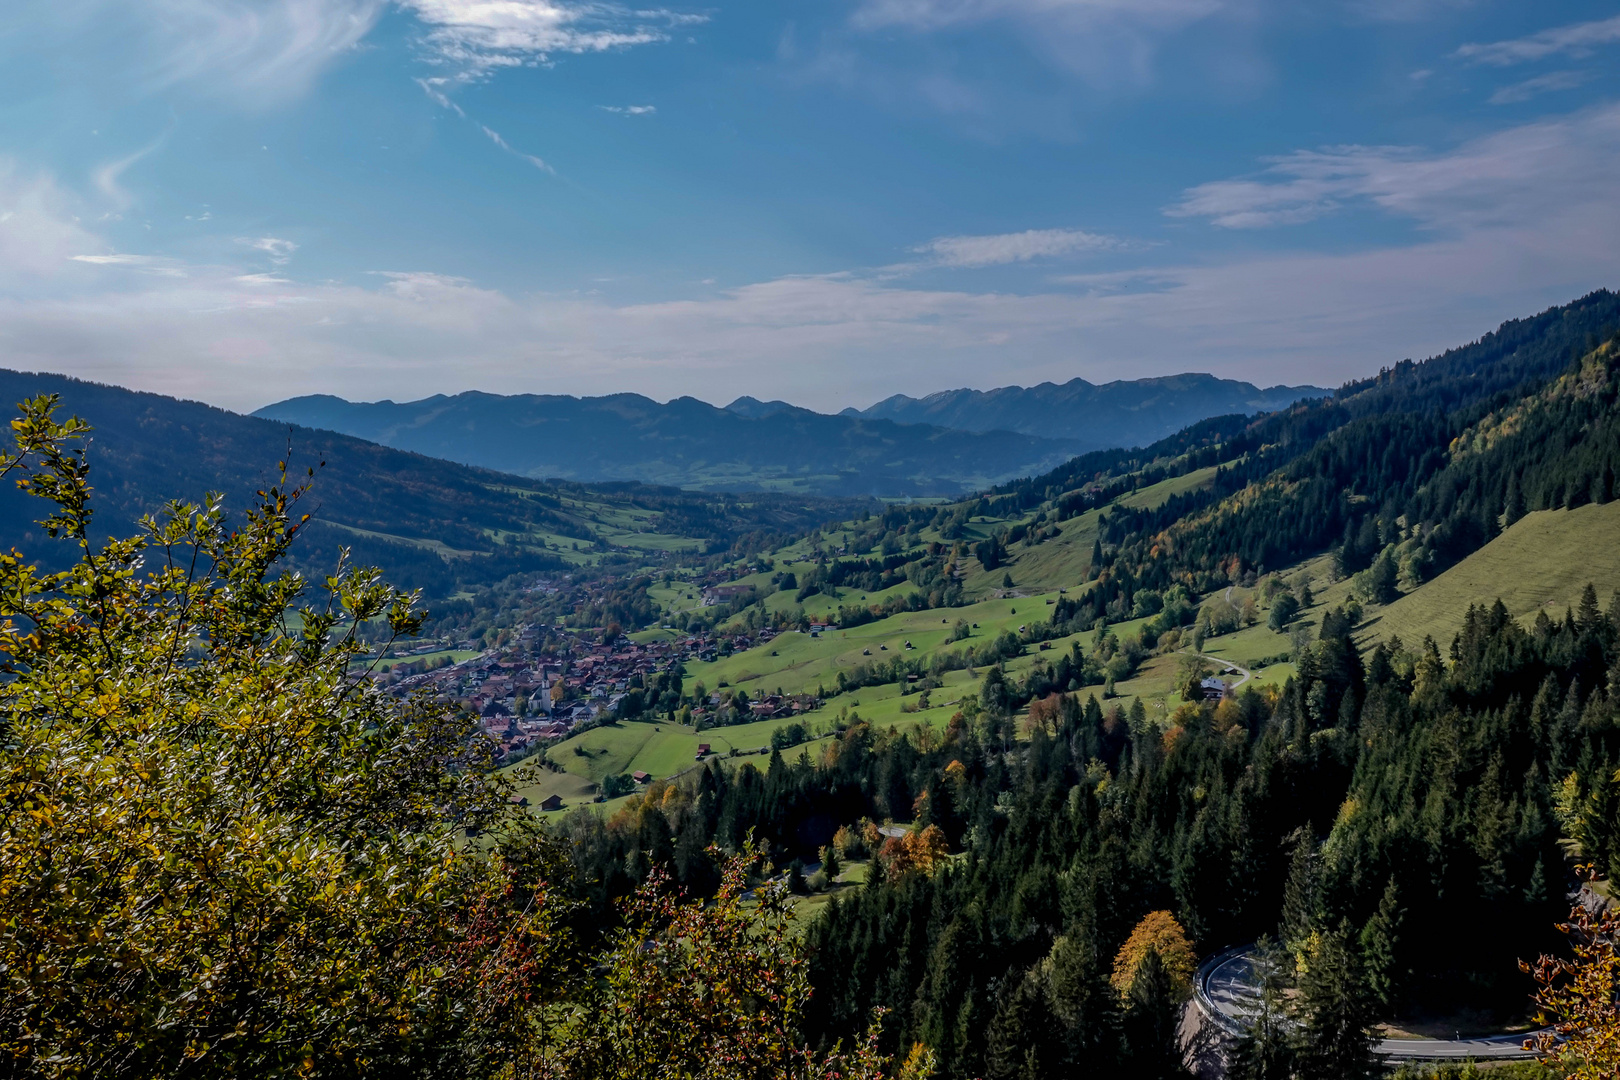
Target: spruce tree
{"points": [[1299, 897], [1380, 949], [1152, 1023], [1018, 1041], [830, 863], [1589, 615], [1514, 508], [1082, 1002], [1336, 1012]]}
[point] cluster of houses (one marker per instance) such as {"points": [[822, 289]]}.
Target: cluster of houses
{"points": [[720, 594], [769, 707], [524, 697]]}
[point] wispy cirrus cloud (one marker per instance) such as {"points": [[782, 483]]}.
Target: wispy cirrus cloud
{"points": [[477, 37], [255, 53], [1576, 39], [1402, 11], [939, 14], [495, 137], [114, 259], [1542, 84], [1517, 174], [473, 39], [151, 264], [279, 251], [1109, 43], [630, 110], [1001, 249], [1300, 187]]}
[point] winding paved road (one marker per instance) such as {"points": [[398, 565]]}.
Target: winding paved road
{"points": [[1226, 995]]}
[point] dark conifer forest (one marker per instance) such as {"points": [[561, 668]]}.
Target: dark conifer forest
{"points": [[1412, 801]]}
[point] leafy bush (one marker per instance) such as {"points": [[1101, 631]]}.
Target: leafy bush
{"points": [[1283, 610], [235, 860], [615, 786]]}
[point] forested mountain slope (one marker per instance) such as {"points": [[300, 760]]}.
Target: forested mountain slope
{"points": [[685, 442], [1431, 487], [1398, 814], [1503, 365], [1123, 413], [427, 523]]}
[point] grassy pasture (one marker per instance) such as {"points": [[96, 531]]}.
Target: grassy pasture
{"points": [[1058, 562], [1541, 563], [456, 656], [801, 662]]}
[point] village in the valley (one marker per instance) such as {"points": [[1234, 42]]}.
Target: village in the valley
{"points": [[552, 681]]}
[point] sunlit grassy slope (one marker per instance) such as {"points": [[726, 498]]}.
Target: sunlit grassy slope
{"points": [[1541, 563], [1058, 562], [798, 662]]}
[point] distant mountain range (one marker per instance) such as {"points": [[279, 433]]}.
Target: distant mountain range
{"points": [[944, 444], [1129, 413], [430, 524], [751, 446]]}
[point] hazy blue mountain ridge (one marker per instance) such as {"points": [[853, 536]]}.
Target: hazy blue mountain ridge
{"points": [[1093, 416], [751, 446], [944, 444]]}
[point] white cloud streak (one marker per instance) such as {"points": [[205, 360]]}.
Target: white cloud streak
{"points": [[630, 110], [999, 250], [495, 137], [1577, 39], [147, 264], [256, 52], [477, 37], [434, 88], [1542, 84], [1107, 43], [279, 251], [941, 14], [1513, 175]]}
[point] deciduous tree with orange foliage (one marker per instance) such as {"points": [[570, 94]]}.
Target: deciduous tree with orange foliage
{"points": [[918, 852], [1159, 934], [1576, 999]]}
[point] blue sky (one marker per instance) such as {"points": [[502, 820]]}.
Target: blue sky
{"points": [[241, 200]]}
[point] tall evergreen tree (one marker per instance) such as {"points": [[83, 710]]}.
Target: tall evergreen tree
{"points": [[1299, 896], [1018, 1043], [1336, 1012], [1514, 508], [1152, 1023], [1380, 950]]}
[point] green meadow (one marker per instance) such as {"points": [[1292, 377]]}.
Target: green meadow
{"points": [[1541, 563]]}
